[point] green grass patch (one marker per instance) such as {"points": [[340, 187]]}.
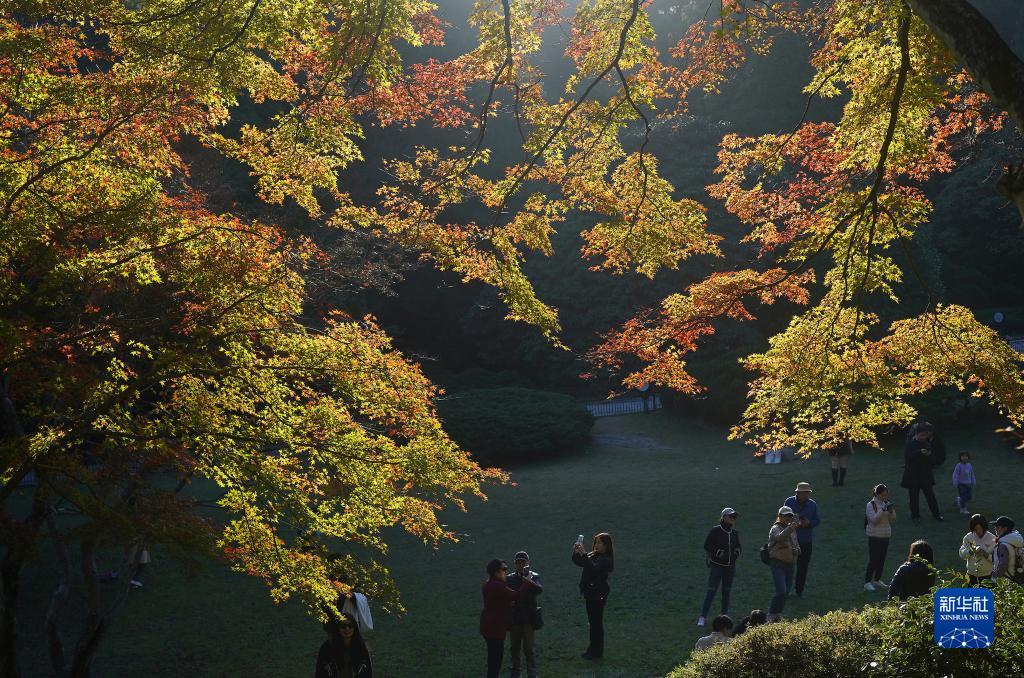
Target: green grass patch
{"points": [[657, 483]]}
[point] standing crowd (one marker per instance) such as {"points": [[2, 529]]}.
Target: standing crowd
{"points": [[787, 552], [510, 597]]}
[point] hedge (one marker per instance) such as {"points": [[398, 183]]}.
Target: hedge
{"points": [[892, 639]]}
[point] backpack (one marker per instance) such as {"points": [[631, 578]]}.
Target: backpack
{"points": [[765, 552], [1017, 575]]}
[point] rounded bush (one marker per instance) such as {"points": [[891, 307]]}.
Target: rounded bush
{"points": [[505, 426]]}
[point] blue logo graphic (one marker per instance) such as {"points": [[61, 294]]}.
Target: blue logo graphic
{"points": [[964, 618]]}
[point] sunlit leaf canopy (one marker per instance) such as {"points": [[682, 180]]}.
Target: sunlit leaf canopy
{"points": [[144, 331]]}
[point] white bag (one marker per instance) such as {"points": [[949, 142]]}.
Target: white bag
{"points": [[359, 608]]}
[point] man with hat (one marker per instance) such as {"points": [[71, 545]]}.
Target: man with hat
{"points": [[524, 616], [1008, 545], [806, 511], [721, 549]]}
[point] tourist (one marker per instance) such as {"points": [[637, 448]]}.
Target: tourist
{"points": [[783, 551], [1008, 541], [721, 627], [524, 616], [978, 549], [964, 481], [923, 453], [755, 618], [915, 577], [344, 653], [879, 515], [597, 565], [840, 455], [496, 616], [806, 511], [721, 549]]}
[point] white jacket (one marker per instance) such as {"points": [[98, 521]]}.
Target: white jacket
{"points": [[978, 552], [879, 520]]}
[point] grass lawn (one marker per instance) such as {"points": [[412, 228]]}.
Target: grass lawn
{"points": [[655, 482]]}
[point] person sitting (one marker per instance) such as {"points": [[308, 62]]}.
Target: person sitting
{"points": [[721, 628], [916, 577], [755, 618]]}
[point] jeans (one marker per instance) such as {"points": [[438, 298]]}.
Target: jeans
{"points": [[718, 574], [877, 548], [595, 617], [915, 500], [522, 637], [966, 493], [782, 578], [802, 563], [495, 650]]}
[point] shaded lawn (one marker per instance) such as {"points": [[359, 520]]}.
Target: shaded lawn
{"points": [[655, 482]]}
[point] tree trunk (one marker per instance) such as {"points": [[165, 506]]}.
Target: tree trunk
{"points": [[20, 539], [998, 71], [95, 625], [58, 599]]}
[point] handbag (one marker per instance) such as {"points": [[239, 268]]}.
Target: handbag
{"points": [[766, 554], [537, 622]]}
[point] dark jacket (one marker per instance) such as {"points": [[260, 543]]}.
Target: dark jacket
{"points": [[912, 578], [523, 609], [809, 510], [336, 661], [919, 458], [496, 616], [722, 545], [594, 578]]}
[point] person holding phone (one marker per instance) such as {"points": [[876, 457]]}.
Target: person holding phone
{"points": [[879, 515], [496, 617], [597, 565], [524, 616]]}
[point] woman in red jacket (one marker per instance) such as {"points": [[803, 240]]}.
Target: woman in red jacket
{"points": [[496, 616]]}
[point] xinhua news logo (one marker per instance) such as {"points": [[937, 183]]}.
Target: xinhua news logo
{"points": [[964, 618]]}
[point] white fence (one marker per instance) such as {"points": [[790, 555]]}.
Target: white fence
{"points": [[629, 405]]}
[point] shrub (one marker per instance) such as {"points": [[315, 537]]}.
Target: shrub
{"points": [[504, 426], [892, 639]]}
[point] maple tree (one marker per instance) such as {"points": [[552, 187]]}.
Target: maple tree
{"points": [[145, 335]]}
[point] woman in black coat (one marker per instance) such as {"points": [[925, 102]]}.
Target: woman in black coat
{"points": [[597, 565], [344, 653], [916, 577]]}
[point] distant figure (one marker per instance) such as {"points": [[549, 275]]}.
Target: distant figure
{"points": [[806, 511], [755, 618], [721, 628], [343, 654], [496, 617], [721, 550], [840, 455], [978, 549], [964, 481], [597, 565], [923, 453], [783, 551], [1008, 551], [524, 616], [879, 515], [916, 577]]}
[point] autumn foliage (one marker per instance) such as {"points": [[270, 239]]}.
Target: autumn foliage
{"points": [[144, 334]]}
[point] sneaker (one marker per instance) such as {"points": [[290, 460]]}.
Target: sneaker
{"points": [[868, 586], [880, 584], [965, 511], [136, 584], [940, 518], [701, 621]]}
